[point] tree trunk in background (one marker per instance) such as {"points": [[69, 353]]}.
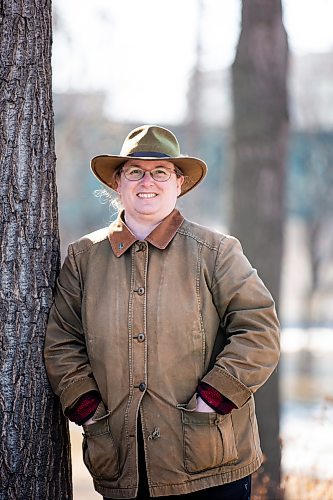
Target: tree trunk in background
{"points": [[260, 137], [34, 446], [193, 125]]}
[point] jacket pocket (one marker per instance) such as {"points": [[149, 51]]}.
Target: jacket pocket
{"points": [[209, 441], [100, 454]]}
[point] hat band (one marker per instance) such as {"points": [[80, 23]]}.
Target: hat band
{"points": [[153, 154]]}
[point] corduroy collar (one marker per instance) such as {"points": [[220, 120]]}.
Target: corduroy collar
{"points": [[121, 238]]}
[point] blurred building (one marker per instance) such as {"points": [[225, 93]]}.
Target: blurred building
{"points": [[311, 92]]}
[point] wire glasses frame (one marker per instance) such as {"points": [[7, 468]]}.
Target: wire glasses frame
{"points": [[159, 174]]}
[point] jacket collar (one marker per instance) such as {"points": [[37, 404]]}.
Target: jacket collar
{"points": [[121, 238]]}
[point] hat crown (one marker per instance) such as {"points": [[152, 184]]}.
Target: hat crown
{"points": [[151, 138]]}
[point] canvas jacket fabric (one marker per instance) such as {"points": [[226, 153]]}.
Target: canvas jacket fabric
{"points": [[143, 322]]}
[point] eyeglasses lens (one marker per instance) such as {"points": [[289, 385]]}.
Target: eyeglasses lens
{"points": [[158, 174]]}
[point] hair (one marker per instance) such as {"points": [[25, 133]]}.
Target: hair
{"points": [[108, 197], [117, 172], [179, 173]]}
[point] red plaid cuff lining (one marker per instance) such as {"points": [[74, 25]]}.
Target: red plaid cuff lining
{"points": [[214, 399], [84, 408]]}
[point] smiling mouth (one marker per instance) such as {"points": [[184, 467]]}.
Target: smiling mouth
{"points": [[146, 195]]}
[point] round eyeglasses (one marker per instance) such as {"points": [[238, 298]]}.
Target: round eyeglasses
{"points": [[159, 174]]}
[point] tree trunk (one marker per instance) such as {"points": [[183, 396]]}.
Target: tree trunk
{"points": [[35, 454], [193, 124], [260, 135]]}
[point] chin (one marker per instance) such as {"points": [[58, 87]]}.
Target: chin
{"points": [[147, 211]]}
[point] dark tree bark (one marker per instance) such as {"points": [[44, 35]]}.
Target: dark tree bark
{"points": [[34, 449], [260, 135]]}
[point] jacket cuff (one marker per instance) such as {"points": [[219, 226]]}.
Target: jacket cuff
{"points": [[71, 394], [215, 399], [228, 385], [84, 408]]}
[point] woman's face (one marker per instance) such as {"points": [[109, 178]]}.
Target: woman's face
{"points": [[147, 199]]}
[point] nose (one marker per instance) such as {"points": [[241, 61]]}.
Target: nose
{"points": [[147, 178]]}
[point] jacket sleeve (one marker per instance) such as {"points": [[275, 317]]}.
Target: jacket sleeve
{"points": [[247, 313], [66, 356]]}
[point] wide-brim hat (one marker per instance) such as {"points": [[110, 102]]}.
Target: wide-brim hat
{"points": [[150, 142]]}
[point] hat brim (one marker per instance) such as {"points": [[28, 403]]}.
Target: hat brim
{"points": [[194, 169]]}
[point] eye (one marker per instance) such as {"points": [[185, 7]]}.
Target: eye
{"points": [[134, 171], [161, 171]]}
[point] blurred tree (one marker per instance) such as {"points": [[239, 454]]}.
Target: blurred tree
{"points": [[309, 198], [200, 137], [35, 455], [260, 143], [82, 132], [193, 125]]}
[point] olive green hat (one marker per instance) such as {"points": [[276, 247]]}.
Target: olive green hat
{"points": [[150, 142]]}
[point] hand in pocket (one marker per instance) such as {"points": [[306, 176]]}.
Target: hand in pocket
{"points": [[202, 407]]}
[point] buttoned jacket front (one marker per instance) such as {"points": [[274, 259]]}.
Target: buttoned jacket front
{"points": [[143, 322]]}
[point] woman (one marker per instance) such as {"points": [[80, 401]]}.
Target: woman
{"points": [[160, 333]]}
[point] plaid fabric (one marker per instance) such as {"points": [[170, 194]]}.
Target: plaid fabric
{"points": [[84, 408], [214, 399]]}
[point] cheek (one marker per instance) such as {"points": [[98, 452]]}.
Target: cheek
{"points": [[121, 189]]}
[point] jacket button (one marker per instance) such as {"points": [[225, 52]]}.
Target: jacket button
{"points": [[142, 387], [141, 290], [141, 247], [141, 337]]}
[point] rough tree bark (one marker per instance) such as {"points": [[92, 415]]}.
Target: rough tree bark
{"points": [[34, 449], [260, 135]]}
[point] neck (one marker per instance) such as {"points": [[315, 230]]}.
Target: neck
{"points": [[140, 229]]}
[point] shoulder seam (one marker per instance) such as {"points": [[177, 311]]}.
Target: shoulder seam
{"points": [[185, 232], [89, 245]]}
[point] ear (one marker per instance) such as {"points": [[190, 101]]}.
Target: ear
{"points": [[180, 181], [118, 182]]}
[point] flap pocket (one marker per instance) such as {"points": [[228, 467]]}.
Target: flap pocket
{"points": [[100, 454], [209, 441]]}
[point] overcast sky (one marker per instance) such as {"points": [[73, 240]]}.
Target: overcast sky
{"points": [[141, 53]]}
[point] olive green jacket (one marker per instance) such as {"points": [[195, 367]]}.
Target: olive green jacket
{"points": [[143, 323]]}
